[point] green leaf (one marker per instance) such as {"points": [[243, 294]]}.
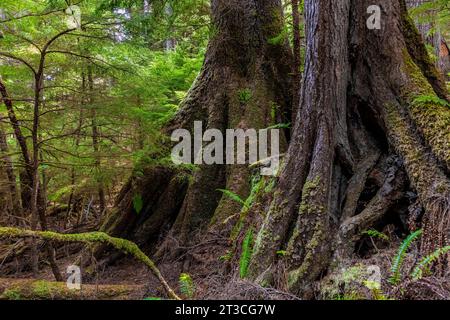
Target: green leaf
{"points": [[233, 196], [187, 286], [417, 274], [398, 260], [376, 234], [247, 251], [138, 203]]}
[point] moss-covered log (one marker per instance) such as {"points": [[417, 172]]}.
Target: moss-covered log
{"points": [[30, 289], [123, 245]]}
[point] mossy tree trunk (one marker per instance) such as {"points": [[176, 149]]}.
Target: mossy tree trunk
{"points": [[359, 118], [245, 82], [371, 131]]}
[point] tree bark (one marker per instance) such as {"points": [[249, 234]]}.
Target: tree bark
{"points": [[95, 145], [296, 78], [359, 99], [359, 118], [242, 56], [7, 164], [26, 177]]}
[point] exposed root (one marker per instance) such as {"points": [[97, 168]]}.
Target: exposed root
{"points": [[392, 190]]}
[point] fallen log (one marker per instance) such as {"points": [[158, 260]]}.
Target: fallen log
{"points": [[31, 289], [123, 245]]}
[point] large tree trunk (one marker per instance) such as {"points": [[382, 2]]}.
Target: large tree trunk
{"points": [[362, 140], [242, 57], [358, 114]]}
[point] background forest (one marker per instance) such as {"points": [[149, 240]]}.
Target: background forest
{"points": [[86, 101]]}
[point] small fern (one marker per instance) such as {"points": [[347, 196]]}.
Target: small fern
{"points": [[280, 126], [138, 203], [398, 260], [247, 250], [418, 271], [245, 95], [426, 99], [233, 196], [281, 253], [376, 234], [187, 286]]}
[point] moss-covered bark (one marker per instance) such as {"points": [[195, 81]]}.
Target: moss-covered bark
{"points": [[30, 289], [387, 102]]}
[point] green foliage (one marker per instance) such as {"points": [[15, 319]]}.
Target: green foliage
{"points": [[376, 234], [422, 266], [246, 255], [233, 196], [11, 294], [187, 286], [137, 85], [280, 38], [281, 253], [227, 256], [424, 100], [398, 260], [138, 203], [63, 191], [280, 126], [245, 95], [436, 12]]}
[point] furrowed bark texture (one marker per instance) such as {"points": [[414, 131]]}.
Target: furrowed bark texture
{"points": [[368, 135], [244, 83], [242, 57], [359, 113]]}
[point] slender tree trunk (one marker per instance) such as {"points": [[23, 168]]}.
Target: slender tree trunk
{"points": [[27, 176], [38, 198], [95, 145], [77, 143], [7, 164]]}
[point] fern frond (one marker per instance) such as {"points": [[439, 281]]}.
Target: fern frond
{"points": [[398, 260], [187, 286], [376, 234], [247, 250], [427, 99], [418, 271], [138, 203], [233, 196]]}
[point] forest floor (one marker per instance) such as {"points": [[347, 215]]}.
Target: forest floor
{"points": [[213, 278]]}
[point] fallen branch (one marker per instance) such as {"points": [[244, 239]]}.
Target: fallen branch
{"points": [[123, 245]]}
